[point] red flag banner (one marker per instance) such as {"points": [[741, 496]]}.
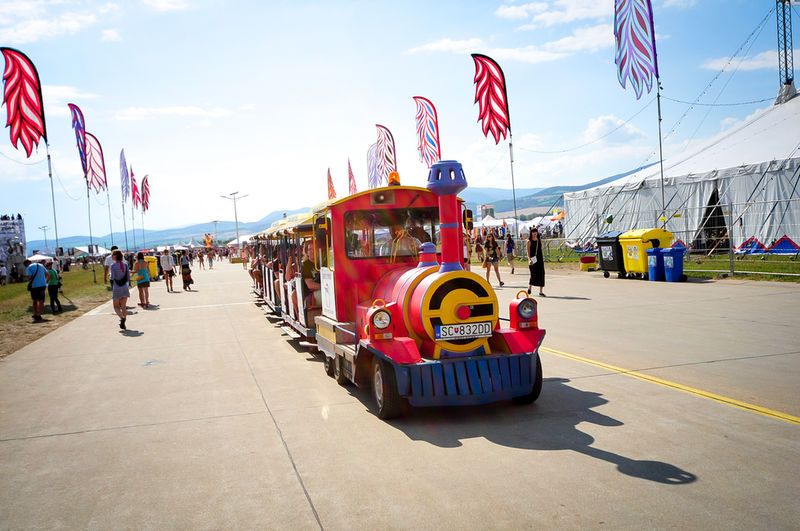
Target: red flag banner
{"points": [[490, 95], [331, 191], [145, 194], [96, 174], [134, 190], [386, 158], [353, 188], [22, 97]]}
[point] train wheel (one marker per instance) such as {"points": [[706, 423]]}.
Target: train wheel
{"points": [[384, 390], [328, 363], [338, 371], [537, 387], [605, 274]]}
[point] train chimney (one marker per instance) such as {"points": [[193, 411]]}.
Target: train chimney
{"points": [[445, 179]]}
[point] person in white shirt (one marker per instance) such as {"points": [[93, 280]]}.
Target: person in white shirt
{"points": [[107, 263], [3, 274], [168, 266]]}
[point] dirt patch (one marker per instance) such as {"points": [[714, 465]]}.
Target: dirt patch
{"points": [[22, 331]]}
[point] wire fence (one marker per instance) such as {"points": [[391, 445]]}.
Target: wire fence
{"points": [[753, 238]]}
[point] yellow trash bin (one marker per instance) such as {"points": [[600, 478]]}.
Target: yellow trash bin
{"points": [[635, 244], [152, 266]]}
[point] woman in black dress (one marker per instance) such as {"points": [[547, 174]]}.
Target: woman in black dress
{"points": [[535, 262]]}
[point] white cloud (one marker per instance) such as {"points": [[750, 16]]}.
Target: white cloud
{"points": [[756, 62], [569, 11], [616, 129], [521, 11], [167, 5], [56, 98], [679, 3], [142, 113], [35, 29], [449, 45], [589, 38], [110, 35]]}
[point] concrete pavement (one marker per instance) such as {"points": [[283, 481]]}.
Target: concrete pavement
{"points": [[204, 416]]}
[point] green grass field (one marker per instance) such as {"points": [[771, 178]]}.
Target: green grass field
{"points": [[15, 301]]}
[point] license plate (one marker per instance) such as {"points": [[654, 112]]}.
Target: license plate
{"points": [[464, 330]]}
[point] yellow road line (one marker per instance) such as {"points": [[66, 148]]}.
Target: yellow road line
{"points": [[672, 385]]}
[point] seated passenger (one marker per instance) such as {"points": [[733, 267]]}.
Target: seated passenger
{"points": [[311, 285]]}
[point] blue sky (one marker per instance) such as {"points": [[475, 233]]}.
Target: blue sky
{"points": [[210, 97]]}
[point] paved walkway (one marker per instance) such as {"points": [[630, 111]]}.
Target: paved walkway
{"points": [[203, 416]]}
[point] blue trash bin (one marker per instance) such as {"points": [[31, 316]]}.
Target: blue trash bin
{"points": [[655, 264], [673, 264]]}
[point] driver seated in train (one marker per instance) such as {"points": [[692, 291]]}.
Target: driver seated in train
{"points": [[310, 275]]}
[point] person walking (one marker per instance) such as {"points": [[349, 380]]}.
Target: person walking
{"points": [[535, 262], [3, 273], [141, 273], [52, 287], [37, 282], [510, 246], [493, 253], [107, 263], [479, 249], [201, 260], [168, 266], [211, 258], [120, 281], [186, 271]]}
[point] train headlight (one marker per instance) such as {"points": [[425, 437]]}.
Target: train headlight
{"points": [[527, 309], [381, 319]]}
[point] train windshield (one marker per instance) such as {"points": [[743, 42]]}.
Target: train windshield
{"points": [[398, 232]]}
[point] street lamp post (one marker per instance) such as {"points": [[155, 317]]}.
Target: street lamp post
{"points": [[44, 228], [233, 197]]}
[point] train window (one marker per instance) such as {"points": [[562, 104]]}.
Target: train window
{"points": [[389, 232]]}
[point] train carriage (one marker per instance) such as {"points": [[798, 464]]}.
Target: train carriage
{"points": [[398, 311]]}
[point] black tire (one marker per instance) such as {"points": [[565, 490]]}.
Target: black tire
{"points": [[621, 275], [328, 364], [645, 276], [338, 371], [388, 403], [684, 278], [537, 387], [606, 274]]}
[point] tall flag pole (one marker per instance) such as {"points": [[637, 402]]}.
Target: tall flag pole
{"points": [[373, 177], [134, 203], [352, 178], [427, 131], [386, 153], [331, 191], [145, 205], [22, 96], [97, 171], [123, 175], [636, 59], [492, 99], [79, 125]]}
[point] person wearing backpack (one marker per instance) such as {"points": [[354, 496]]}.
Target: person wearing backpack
{"points": [[37, 285], [120, 292]]}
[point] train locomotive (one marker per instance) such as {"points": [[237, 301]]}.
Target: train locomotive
{"points": [[376, 281]]}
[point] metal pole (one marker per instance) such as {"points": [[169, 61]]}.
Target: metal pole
{"points": [[661, 154], [235, 215], [44, 229], [91, 240], [52, 193], [133, 228], [125, 226], [730, 236], [110, 227], [513, 188], [144, 244]]}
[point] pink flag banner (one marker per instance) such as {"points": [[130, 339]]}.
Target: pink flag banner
{"points": [[373, 177], [352, 178], [635, 44], [386, 153], [96, 163], [22, 96], [427, 131], [491, 97]]}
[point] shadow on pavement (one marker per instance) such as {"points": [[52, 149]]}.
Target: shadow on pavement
{"points": [[549, 424], [131, 333]]}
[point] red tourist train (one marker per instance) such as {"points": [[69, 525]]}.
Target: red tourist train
{"points": [[375, 281]]}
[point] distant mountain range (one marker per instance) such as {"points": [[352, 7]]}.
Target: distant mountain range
{"points": [[501, 198]]}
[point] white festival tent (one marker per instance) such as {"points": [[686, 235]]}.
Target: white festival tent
{"points": [[489, 222], [750, 170]]}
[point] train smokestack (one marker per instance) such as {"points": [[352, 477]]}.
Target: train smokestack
{"points": [[446, 179]]}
